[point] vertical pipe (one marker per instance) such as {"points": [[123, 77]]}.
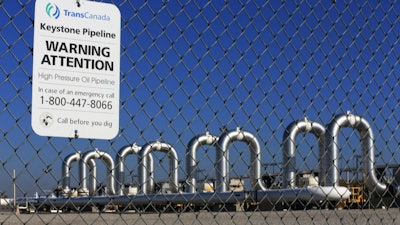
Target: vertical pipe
{"points": [[191, 159], [92, 175], [289, 149], [222, 159], [143, 166], [65, 172]]}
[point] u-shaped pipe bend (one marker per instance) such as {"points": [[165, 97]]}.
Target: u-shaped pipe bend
{"points": [[289, 148], [191, 158], [367, 151], [66, 172], [120, 159], [107, 159], [222, 157], [144, 167]]}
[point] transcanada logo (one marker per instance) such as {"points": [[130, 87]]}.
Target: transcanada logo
{"points": [[52, 10], [86, 15]]}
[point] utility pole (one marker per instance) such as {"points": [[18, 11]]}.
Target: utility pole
{"points": [[16, 208]]}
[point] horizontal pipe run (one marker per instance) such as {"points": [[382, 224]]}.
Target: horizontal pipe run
{"points": [[316, 193], [143, 199]]}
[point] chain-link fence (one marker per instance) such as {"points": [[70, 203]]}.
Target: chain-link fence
{"points": [[246, 112]]}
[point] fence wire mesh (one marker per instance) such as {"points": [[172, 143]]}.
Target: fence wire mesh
{"points": [[278, 112]]}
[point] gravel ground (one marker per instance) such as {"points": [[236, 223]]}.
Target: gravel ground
{"points": [[331, 217]]}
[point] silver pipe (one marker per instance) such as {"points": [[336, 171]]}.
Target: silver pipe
{"points": [[143, 166], [307, 194], [289, 149], [108, 160], [191, 159], [274, 196], [144, 199], [367, 150], [66, 168], [92, 175], [222, 159], [120, 159]]}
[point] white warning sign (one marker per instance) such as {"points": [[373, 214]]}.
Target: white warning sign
{"points": [[76, 69]]}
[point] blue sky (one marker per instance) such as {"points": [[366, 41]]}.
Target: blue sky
{"points": [[189, 68]]}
